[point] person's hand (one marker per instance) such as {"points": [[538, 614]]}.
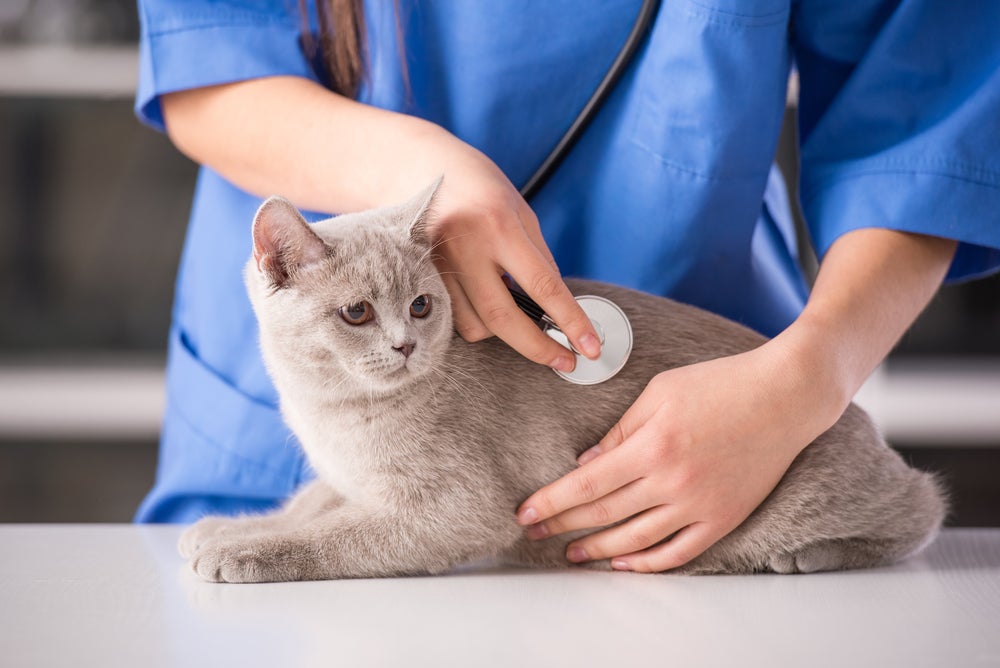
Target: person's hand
{"points": [[483, 228], [696, 453], [325, 152]]}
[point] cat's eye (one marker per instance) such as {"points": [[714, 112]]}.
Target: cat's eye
{"points": [[357, 314], [421, 306]]}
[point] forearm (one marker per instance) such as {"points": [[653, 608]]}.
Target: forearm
{"points": [[324, 152], [291, 136], [872, 285]]}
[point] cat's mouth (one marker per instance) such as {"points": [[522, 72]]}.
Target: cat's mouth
{"points": [[402, 370], [391, 374]]}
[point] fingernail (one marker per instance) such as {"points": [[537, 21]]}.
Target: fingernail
{"points": [[537, 531], [620, 565], [527, 516], [564, 364], [590, 346], [576, 554], [588, 455]]}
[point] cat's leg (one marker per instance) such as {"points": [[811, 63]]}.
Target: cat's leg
{"points": [[312, 499], [350, 542], [548, 553], [749, 554], [900, 524], [878, 549], [833, 555], [865, 536]]}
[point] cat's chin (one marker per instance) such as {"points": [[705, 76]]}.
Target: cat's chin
{"points": [[392, 380]]}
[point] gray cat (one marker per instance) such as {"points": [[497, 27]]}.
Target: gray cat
{"points": [[424, 445]]}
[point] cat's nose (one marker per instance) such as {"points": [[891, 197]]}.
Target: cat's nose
{"points": [[406, 348]]}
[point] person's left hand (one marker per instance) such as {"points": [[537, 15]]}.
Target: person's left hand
{"points": [[697, 452]]}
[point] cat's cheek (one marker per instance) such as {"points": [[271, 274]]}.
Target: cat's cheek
{"points": [[320, 355]]}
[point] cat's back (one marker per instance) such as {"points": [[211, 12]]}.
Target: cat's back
{"points": [[667, 333], [527, 413]]}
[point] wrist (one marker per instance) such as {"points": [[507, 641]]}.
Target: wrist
{"points": [[400, 158], [815, 364], [421, 152]]}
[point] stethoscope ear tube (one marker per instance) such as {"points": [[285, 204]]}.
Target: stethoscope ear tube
{"points": [[642, 23], [607, 317]]}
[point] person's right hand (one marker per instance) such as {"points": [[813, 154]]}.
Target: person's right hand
{"points": [[325, 152], [483, 228]]}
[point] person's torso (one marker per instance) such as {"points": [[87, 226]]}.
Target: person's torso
{"points": [[664, 192]]}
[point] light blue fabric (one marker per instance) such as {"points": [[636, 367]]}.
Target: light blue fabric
{"points": [[671, 190]]}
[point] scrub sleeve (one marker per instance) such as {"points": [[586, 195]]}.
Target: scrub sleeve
{"points": [[900, 122], [670, 190]]}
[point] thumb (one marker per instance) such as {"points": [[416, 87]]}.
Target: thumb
{"points": [[630, 422]]}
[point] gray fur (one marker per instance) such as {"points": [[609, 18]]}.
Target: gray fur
{"points": [[423, 459]]}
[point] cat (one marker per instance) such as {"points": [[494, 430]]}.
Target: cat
{"points": [[424, 444]]}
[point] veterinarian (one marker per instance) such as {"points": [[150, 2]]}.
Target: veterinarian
{"points": [[671, 190]]}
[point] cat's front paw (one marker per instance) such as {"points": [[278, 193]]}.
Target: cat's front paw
{"points": [[201, 532], [258, 559]]}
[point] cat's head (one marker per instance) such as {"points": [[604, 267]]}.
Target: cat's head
{"points": [[355, 299]]}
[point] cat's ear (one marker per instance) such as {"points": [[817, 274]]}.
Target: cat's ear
{"points": [[283, 243], [419, 211]]}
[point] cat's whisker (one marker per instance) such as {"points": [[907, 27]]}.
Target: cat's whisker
{"points": [[430, 252], [425, 281], [432, 280], [330, 388], [446, 380], [453, 375], [444, 240]]}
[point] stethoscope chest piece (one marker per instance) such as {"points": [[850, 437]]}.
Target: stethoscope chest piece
{"points": [[615, 332]]}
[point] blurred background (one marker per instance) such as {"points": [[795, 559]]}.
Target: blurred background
{"points": [[93, 209]]}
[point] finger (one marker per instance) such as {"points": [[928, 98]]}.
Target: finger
{"points": [[540, 279], [529, 221], [466, 320], [620, 504], [615, 437], [496, 309], [645, 529], [476, 287], [689, 542], [579, 487]]}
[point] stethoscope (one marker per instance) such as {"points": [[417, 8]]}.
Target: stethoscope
{"points": [[611, 324]]}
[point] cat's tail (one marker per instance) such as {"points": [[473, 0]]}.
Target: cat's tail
{"points": [[918, 517], [911, 520], [903, 507]]}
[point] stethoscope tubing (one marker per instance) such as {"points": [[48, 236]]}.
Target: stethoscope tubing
{"points": [[617, 326], [643, 21]]}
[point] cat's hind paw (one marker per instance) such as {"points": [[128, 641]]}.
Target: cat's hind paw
{"points": [[834, 555]]}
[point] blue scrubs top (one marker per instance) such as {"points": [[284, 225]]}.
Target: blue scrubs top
{"points": [[671, 190]]}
